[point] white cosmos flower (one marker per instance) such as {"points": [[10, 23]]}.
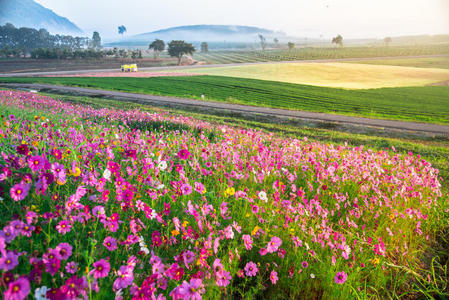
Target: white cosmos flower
{"points": [[162, 165], [41, 293], [312, 275], [107, 174], [263, 196]]}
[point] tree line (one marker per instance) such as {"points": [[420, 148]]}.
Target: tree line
{"points": [[23, 41]]}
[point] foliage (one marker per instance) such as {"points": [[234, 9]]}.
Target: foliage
{"points": [[178, 48], [99, 203], [290, 46], [25, 40], [263, 43], [121, 29], [204, 47], [338, 40], [96, 41], [158, 46]]}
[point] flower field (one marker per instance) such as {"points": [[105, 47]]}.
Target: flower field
{"points": [[105, 203]]}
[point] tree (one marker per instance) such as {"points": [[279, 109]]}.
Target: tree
{"points": [[96, 41], [387, 40], [178, 48], [338, 40], [121, 29], [204, 47], [158, 46], [263, 42], [290, 45], [276, 42]]}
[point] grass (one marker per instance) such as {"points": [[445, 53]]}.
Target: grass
{"points": [[423, 62], [424, 104], [351, 76]]}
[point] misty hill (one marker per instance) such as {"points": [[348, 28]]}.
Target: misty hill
{"points": [[27, 13], [212, 34]]}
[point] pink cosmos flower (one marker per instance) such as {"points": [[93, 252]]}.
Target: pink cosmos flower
{"points": [[274, 244], [191, 290], [340, 277], [63, 227], [184, 154], [199, 187], [186, 189], [71, 267], [217, 265], [64, 251], [251, 269], [274, 277], [52, 266], [102, 268], [9, 261], [223, 278], [19, 191], [36, 163], [110, 243], [304, 264], [125, 278], [248, 241], [18, 289]]}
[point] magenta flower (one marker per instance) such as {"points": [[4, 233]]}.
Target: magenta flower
{"points": [[251, 269], [64, 251], [36, 163], [63, 227], [340, 277], [223, 278], [184, 154], [9, 261], [248, 241], [19, 191], [71, 267], [304, 264], [102, 268], [18, 289], [274, 277], [199, 187], [191, 290], [125, 278], [274, 244], [52, 266], [186, 189]]}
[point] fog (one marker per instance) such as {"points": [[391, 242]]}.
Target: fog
{"points": [[314, 19]]}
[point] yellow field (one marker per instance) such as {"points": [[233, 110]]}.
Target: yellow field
{"points": [[343, 75]]}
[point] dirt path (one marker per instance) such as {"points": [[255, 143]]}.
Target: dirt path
{"points": [[207, 106], [170, 68]]}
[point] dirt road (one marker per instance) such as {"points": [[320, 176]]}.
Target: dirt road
{"points": [[207, 106], [170, 68]]}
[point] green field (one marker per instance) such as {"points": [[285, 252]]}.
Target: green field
{"points": [[306, 53], [423, 62], [425, 104], [350, 76]]}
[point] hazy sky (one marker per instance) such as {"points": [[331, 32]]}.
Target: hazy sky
{"points": [[312, 18]]}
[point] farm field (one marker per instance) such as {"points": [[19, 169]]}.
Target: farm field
{"points": [[424, 62], [307, 53], [404, 103], [214, 210], [341, 75]]}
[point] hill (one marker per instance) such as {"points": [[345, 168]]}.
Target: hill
{"points": [[28, 13], [215, 35]]}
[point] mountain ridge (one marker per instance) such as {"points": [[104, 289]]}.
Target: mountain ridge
{"points": [[28, 13]]}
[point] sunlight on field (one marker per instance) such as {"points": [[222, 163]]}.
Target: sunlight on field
{"points": [[350, 76], [422, 62]]}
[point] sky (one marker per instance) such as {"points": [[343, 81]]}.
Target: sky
{"points": [[300, 18]]}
